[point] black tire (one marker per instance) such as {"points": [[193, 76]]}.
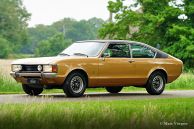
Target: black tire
{"points": [[75, 85], [156, 83], [114, 89], [31, 90]]}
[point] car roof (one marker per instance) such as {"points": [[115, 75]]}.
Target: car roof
{"points": [[110, 41], [113, 41], [121, 41]]}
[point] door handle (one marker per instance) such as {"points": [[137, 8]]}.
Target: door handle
{"points": [[102, 59], [131, 61]]}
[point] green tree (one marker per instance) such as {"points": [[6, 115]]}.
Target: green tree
{"points": [[36, 35], [70, 28], [13, 22], [81, 31], [4, 48], [53, 46], [95, 25], [155, 22]]}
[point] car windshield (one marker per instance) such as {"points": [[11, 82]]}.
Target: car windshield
{"points": [[90, 49]]}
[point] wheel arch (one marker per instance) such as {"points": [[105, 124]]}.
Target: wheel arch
{"points": [[163, 71], [83, 72]]}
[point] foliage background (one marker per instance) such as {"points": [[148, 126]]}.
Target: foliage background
{"points": [[168, 24]]}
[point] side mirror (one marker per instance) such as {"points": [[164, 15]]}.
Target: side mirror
{"points": [[106, 55]]}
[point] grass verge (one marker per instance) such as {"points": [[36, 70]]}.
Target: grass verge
{"points": [[119, 114]]}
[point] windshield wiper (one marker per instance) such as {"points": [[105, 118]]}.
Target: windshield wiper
{"points": [[80, 54], [64, 54]]}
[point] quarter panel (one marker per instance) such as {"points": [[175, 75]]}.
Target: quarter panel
{"points": [[173, 68]]}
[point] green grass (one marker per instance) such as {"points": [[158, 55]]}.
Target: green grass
{"points": [[184, 82], [119, 114], [9, 85]]}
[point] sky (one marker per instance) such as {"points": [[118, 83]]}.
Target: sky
{"points": [[48, 11]]}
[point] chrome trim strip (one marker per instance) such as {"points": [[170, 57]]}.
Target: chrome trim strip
{"points": [[42, 75]]}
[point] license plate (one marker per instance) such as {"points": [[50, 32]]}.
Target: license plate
{"points": [[33, 81]]}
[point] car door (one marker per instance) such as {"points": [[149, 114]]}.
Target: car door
{"points": [[143, 60], [115, 67]]}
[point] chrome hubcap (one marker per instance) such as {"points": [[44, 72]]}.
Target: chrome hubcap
{"points": [[77, 84], [157, 83]]}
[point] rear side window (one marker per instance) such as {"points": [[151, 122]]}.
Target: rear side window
{"points": [[161, 55], [140, 51]]}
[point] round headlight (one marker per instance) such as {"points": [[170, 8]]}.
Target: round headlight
{"points": [[39, 68], [16, 68]]}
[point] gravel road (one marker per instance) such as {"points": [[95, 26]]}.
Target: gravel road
{"points": [[23, 98]]}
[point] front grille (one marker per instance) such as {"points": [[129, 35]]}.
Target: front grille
{"points": [[29, 68]]}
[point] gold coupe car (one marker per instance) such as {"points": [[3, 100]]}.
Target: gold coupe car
{"points": [[112, 64]]}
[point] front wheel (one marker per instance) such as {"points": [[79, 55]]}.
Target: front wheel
{"points": [[114, 89], [31, 90], [156, 83], [75, 85]]}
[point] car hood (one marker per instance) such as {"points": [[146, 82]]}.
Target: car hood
{"points": [[41, 60]]}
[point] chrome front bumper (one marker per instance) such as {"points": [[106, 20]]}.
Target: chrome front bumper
{"points": [[42, 75]]}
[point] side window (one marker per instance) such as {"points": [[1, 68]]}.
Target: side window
{"points": [[140, 51], [118, 50]]}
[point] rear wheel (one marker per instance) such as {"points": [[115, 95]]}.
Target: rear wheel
{"points": [[114, 89], [31, 90], [156, 83], [75, 85]]}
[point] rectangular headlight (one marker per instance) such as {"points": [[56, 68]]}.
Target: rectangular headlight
{"points": [[16, 68], [50, 68]]}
